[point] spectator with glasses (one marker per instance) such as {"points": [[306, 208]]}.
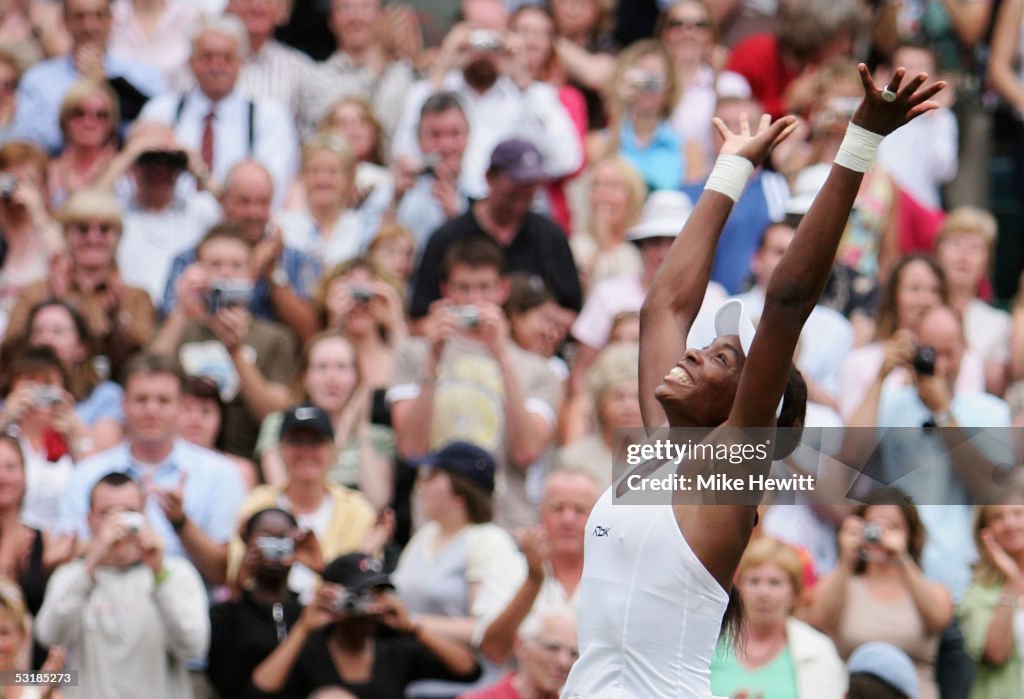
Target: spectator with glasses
{"points": [[89, 121], [120, 317]]}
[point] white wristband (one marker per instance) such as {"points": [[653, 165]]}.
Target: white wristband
{"points": [[730, 175], [858, 149]]}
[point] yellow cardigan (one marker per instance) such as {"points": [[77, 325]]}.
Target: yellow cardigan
{"points": [[352, 518]]}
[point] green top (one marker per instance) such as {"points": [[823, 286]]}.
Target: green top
{"points": [[776, 680], [976, 612]]}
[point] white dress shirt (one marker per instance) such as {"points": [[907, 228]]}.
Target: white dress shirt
{"points": [[275, 142], [502, 112]]}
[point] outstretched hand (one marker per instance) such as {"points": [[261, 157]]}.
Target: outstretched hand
{"points": [[912, 99], [756, 147]]}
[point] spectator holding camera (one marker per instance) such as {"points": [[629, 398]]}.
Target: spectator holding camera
{"points": [[59, 326], [936, 456], [915, 286], [212, 333], [31, 238], [428, 190], [283, 277], [331, 378], [159, 220], [878, 592], [643, 92], [119, 316], [357, 302], [245, 630], [465, 380], [194, 493], [358, 635], [40, 411], [125, 568], [489, 71], [89, 122]]}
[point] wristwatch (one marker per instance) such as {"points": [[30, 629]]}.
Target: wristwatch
{"points": [[278, 277]]}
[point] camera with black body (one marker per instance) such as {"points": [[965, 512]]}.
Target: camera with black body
{"points": [[924, 360], [226, 293]]}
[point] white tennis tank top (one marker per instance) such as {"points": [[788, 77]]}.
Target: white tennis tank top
{"points": [[649, 611]]}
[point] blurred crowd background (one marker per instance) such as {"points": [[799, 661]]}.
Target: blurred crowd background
{"points": [[319, 324]]}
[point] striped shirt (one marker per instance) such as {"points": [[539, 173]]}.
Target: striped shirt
{"points": [[277, 72]]}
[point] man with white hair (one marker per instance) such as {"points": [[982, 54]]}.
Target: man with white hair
{"points": [[217, 120], [545, 651]]}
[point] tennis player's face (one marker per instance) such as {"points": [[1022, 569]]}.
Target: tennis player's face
{"points": [[700, 388]]}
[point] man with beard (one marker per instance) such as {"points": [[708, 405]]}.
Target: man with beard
{"points": [[486, 67], [247, 629]]}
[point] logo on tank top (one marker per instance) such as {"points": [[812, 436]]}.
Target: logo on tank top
{"points": [[600, 531]]}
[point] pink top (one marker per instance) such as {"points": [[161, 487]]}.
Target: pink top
{"points": [[167, 49]]}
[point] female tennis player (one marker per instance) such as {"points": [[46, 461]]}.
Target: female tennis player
{"points": [[656, 580]]}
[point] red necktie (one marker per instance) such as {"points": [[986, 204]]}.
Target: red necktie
{"points": [[207, 148]]}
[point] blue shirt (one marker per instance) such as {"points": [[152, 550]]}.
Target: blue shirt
{"points": [[213, 491], [43, 86], [104, 403], [302, 270], [661, 162], [762, 202], [918, 464]]}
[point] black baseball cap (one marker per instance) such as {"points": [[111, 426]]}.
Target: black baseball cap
{"points": [[465, 459], [307, 418], [356, 572]]}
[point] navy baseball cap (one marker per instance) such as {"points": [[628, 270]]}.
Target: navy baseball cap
{"points": [[519, 160], [465, 459], [307, 418]]}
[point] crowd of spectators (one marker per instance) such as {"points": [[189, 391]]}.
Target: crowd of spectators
{"points": [[318, 330]]}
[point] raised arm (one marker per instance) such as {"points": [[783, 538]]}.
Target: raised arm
{"points": [[677, 290], [797, 283]]}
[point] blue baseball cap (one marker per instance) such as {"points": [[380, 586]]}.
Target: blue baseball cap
{"points": [[465, 459]]}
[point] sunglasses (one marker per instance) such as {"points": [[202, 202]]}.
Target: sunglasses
{"points": [[100, 114], [84, 228], [676, 23]]}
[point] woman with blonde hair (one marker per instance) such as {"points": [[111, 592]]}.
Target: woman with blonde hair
{"points": [[644, 90], [601, 251], [393, 252], [991, 616], [780, 655], [327, 226], [89, 118]]}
